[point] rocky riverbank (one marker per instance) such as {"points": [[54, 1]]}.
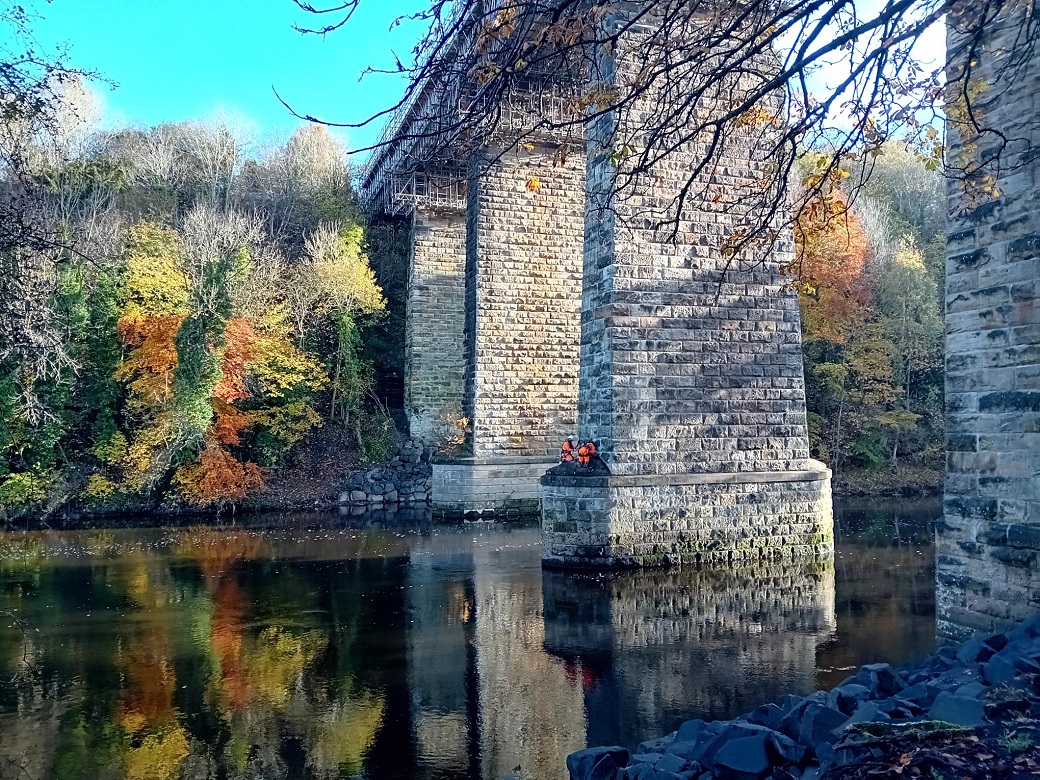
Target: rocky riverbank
{"points": [[967, 711], [405, 479]]}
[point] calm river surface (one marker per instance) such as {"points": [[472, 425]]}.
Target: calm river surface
{"points": [[265, 651]]}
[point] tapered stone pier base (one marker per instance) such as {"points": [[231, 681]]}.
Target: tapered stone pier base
{"points": [[686, 519], [471, 488]]}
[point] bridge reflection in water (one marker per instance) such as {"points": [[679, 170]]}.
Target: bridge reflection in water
{"points": [[434, 653], [652, 648], [554, 661]]}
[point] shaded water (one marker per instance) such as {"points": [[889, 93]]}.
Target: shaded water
{"points": [[431, 652]]}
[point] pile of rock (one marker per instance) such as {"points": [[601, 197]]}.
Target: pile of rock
{"points": [[979, 685], [403, 480]]}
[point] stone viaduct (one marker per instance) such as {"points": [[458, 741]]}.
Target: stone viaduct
{"points": [[542, 312]]}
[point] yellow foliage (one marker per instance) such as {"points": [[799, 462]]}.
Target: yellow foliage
{"points": [[756, 117], [344, 276], [288, 423], [99, 486], [111, 450], [155, 283], [451, 432], [279, 366], [278, 659], [159, 755], [347, 738], [140, 455]]}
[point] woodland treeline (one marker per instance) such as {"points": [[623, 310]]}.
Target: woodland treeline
{"points": [[186, 312], [871, 276]]}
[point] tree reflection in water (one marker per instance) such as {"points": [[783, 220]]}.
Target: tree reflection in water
{"points": [[348, 652]]}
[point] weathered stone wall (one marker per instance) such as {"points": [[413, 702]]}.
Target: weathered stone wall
{"points": [[463, 487], [523, 291], [988, 543], [678, 355], [434, 321], [686, 519]]}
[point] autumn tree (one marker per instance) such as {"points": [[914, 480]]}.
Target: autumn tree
{"points": [[330, 293], [150, 338], [872, 332]]}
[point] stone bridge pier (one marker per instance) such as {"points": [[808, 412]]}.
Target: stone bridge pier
{"points": [[492, 327], [522, 294], [691, 378], [435, 320], [988, 542], [543, 305]]}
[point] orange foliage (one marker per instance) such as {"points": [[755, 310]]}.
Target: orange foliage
{"points": [[149, 681], [150, 364], [217, 476], [228, 424], [833, 251], [239, 350], [216, 552], [229, 612]]}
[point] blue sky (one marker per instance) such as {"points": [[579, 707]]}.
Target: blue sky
{"points": [[192, 59], [186, 59]]}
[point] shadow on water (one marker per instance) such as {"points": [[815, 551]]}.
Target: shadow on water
{"points": [[360, 648]]}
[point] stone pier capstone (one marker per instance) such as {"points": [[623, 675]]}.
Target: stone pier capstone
{"points": [[691, 377]]}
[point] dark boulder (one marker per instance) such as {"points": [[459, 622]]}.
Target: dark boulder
{"points": [[690, 730], [958, 710], [867, 712], [599, 763], [671, 763], [918, 694], [974, 651], [997, 642], [645, 758], [818, 723], [1025, 665], [848, 697], [999, 671], [881, 679], [784, 750], [743, 759], [768, 715], [636, 771], [690, 749]]}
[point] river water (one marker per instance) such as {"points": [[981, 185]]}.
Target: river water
{"points": [[315, 647]]}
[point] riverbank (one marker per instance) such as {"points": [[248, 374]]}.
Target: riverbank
{"points": [[325, 472], [910, 480], [966, 711]]}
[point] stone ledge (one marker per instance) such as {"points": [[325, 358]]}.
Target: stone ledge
{"points": [[472, 488], [506, 460], [818, 473]]}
